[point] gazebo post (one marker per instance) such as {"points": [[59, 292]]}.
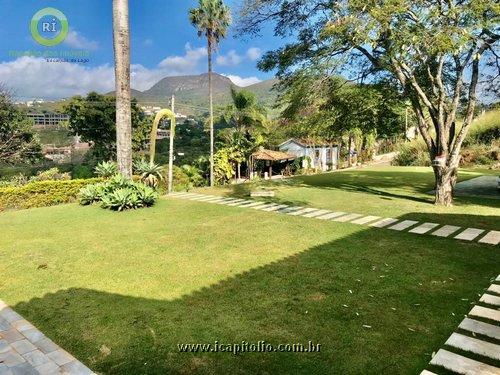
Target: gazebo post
{"points": [[270, 169]]}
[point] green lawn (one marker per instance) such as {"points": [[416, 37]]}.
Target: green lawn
{"points": [[382, 191], [120, 291]]}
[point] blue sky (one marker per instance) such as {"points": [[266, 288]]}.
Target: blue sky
{"points": [[163, 43]]}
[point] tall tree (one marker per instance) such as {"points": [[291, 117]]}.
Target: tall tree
{"points": [[93, 118], [437, 50], [121, 43], [18, 143], [246, 119], [211, 18]]}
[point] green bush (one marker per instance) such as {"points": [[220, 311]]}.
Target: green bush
{"points": [[413, 154], [41, 193], [118, 193]]}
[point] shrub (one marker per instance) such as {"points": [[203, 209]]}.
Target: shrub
{"points": [[82, 171], [106, 169], [118, 193], [41, 193], [52, 174], [150, 173], [413, 154]]}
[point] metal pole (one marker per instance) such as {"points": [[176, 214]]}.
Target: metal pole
{"points": [[171, 151]]}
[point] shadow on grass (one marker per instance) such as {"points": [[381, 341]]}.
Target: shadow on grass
{"points": [[412, 292], [388, 185]]}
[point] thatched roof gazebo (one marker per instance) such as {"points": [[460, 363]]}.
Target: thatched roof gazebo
{"points": [[270, 156]]}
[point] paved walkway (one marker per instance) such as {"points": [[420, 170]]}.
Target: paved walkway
{"points": [[491, 237], [24, 350], [477, 336]]}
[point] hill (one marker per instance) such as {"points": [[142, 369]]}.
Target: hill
{"points": [[191, 92]]}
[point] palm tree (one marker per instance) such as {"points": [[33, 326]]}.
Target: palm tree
{"points": [[248, 121], [211, 18], [121, 44]]}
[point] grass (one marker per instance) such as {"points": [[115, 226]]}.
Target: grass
{"points": [[120, 291], [381, 191]]}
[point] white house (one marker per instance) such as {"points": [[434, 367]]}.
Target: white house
{"points": [[321, 156]]}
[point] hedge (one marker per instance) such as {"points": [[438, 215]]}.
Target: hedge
{"points": [[42, 193]]}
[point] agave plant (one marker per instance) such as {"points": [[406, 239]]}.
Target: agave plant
{"points": [[91, 193], [146, 195], [106, 169], [151, 173], [121, 199]]}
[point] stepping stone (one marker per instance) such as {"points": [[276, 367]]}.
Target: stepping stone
{"points": [[494, 288], [462, 365], [490, 300], [227, 201], [469, 234], [424, 228], [250, 205], [220, 200], [469, 344], [484, 312], [405, 224], [183, 196], [238, 203], [303, 211], [317, 213], [365, 220], [196, 197], [446, 231], [425, 372], [260, 206], [384, 222], [210, 197], [276, 207], [289, 209], [498, 278], [492, 238], [331, 216], [481, 328], [346, 218]]}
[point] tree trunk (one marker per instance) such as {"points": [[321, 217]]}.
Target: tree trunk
{"points": [[121, 43], [446, 178], [351, 150], [239, 170], [211, 104]]}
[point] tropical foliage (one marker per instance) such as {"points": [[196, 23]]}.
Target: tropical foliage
{"points": [[434, 50], [150, 173], [18, 143], [118, 193], [211, 19], [93, 118]]}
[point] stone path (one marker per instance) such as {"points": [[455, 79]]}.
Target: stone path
{"points": [[475, 347], [491, 237], [25, 350]]}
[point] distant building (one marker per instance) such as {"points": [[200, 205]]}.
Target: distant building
{"points": [[48, 119], [320, 156]]}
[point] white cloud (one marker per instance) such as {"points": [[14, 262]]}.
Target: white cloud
{"points": [[254, 53], [76, 40], [31, 77], [34, 77], [231, 59], [243, 82], [187, 64]]}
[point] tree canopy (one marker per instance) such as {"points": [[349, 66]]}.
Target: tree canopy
{"points": [[18, 143], [436, 50], [93, 118]]}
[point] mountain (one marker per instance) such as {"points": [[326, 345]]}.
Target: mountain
{"points": [[191, 92]]}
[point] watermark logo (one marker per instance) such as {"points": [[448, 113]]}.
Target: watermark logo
{"points": [[49, 27]]}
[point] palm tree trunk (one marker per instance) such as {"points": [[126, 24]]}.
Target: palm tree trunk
{"points": [[121, 43], [211, 104]]}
